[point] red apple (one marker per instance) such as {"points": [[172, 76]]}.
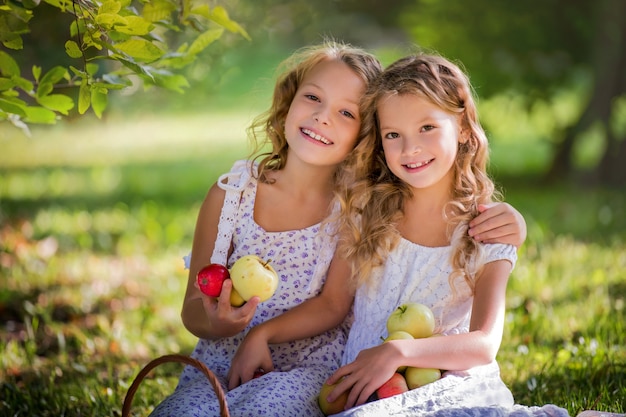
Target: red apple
{"points": [[258, 373], [210, 279], [394, 386], [336, 406]]}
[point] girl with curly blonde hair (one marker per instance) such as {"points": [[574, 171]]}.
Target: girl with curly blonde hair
{"points": [[407, 195]]}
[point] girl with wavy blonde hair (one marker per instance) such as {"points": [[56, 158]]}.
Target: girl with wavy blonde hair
{"points": [[407, 194], [374, 196]]}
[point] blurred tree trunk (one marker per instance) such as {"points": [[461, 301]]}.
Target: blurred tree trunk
{"points": [[609, 69]]}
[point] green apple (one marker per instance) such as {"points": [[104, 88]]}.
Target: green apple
{"points": [[414, 318], [417, 377], [399, 335], [336, 406], [252, 276]]}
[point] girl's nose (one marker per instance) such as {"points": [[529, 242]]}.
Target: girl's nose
{"points": [[411, 146], [321, 116]]}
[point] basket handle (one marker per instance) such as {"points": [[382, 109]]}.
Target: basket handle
{"points": [[182, 359]]}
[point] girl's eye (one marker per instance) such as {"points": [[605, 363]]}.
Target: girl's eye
{"points": [[427, 128], [311, 97], [347, 114], [391, 135]]}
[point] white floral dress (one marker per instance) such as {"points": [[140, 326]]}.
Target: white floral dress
{"points": [[301, 259], [420, 274]]}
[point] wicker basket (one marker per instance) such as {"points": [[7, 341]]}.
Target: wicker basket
{"points": [[182, 359]]}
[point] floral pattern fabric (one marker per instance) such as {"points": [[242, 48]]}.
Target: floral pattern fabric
{"points": [[415, 273], [301, 259]]}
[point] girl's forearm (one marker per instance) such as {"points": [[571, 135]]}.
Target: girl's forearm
{"points": [[455, 352], [308, 319], [192, 310]]}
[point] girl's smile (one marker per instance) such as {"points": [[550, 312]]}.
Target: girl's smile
{"points": [[420, 140], [318, 138], [324, 114]]}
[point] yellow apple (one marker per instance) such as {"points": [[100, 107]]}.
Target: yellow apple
{"points": [[399, 335], [235, 299], [417, 377], [414, 318], [336, 406], [252, 276]]}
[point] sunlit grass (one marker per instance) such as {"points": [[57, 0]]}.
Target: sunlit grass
{"points": [[94, 220]]}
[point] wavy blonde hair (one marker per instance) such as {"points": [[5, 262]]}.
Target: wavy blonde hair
{"points": [[371, 197], [268, 127]]}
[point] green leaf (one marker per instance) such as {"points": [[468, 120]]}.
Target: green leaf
{"points": [[137, 68], [220, 16], [35, 114], [13, 107], [108, 20], [115, 82], [171, 81], [110, 6], [78, 72], [205, 39], [13, 41], [140, 49], [8, 66], [23, 83], [55, 75], [46, 85], [99, 100], [92, 69], [84, 97], [135, 25], [6, 83], [58, 102], [72, 49], [36, 72], [158, 10]]}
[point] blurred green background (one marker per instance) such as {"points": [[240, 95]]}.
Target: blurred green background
{"points": [[95, 215]]}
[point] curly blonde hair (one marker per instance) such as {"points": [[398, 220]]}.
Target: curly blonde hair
{"points": [[371, 197], [268, 128]]}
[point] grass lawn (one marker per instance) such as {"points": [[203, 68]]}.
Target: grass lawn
{"points": [[94, 220]]}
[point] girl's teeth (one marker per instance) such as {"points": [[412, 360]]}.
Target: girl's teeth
{"points": [[316, 136], [420, 164]]}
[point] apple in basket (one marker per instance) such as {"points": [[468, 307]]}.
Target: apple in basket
{"points": [[253, 276], [414, 318]]}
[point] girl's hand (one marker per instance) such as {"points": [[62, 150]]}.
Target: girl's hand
{"points": [[498, 223], [226, 320], [369, 371], [253, 354]]}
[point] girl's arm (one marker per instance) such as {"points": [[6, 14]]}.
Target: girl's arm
{"points": [[498, 223], [374, 366], [310, 318], [208, 317]]}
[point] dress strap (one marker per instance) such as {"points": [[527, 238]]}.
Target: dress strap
{"points": [[233, 182]]}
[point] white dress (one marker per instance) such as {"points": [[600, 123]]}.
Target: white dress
{"points": [[420, 274], [301, 259]]}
